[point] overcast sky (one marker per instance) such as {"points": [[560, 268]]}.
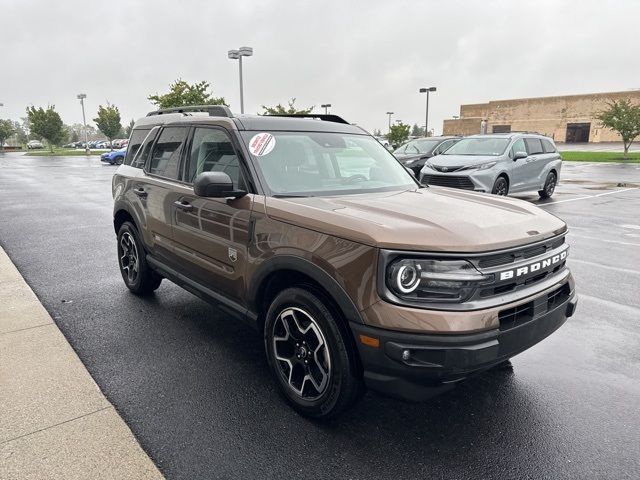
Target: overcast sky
{"points": [[365, 58]]}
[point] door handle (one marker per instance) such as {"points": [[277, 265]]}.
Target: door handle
{"points": [[184, 206], [140, 192]]}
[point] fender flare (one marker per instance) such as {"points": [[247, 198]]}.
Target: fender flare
{"points": [[310, 269]]}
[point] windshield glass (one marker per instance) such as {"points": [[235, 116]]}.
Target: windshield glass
{"points": [[420, 145], [479, 146], [319, 163]]}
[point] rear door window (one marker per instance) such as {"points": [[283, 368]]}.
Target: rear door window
{"points": [[518, 146], [165, 156], [534, 146]]}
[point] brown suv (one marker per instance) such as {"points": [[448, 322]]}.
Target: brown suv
{"points": [[355, 274]]}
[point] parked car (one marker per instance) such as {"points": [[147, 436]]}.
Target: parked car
{"points": [[415, 153], [498, 164], [34, 144], [103, 144], [114, 157], [119, 142], [353, 273]]}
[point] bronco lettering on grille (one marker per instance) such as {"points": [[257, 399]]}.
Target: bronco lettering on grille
{"points": [[533, 267]]}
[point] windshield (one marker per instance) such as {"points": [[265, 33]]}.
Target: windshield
{"points": [[491, 146], [319, 163], [420, 145]]}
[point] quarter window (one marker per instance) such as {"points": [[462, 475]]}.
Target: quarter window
{"points": [[534, 146], [548, 146], [165, 159], [212, 151], [137, 136], [143, 152]]}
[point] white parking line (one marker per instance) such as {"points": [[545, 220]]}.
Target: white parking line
{"points": [[587, 196], [606, 267], [603, 240]]}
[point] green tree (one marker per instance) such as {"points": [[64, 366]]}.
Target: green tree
{"points": [[46, 124], [182, 94], [21, 132], [377, 132], [417, 131], [292, 109], [623, 117], [6, 130], [128, 128], [108, 121], [399, 134]]}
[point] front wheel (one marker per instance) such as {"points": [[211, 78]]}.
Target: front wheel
{"points": [[311, 359], [500, 187], [136, 273], [549, 186]]}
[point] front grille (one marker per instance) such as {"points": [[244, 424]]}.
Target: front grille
{"points": [[513, 317], [525, 252], [453, 181]]}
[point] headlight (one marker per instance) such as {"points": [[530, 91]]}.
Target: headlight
{"points": [[482, 166], [429, 166], [433, 281]]}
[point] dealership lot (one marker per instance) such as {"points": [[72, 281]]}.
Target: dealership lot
{"points": [[196, 392]]}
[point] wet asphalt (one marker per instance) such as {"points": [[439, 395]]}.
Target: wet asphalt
{"points": [[194, 388]]}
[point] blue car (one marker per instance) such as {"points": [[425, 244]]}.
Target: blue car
{"points": [[115, 157]]}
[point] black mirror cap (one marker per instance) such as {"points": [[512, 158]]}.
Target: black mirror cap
{"points": [[215, 185], [519, 155]]}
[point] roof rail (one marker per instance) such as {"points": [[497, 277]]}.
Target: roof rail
{"points": [[327, 117], [214, 110]]}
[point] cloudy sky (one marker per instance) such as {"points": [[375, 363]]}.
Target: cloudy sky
{"points": [[363, 57]]}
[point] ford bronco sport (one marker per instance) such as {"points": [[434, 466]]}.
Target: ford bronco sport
{"points": [[356, 275]]}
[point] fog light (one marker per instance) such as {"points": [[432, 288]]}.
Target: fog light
{"points": [[406, 355]]}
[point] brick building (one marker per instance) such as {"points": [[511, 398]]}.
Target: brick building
{"points": [[569, 118]]}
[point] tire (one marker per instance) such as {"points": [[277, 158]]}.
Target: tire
{"points": [[500, 187], [118, 160], [549, 186], [135, 271], [311, 359]]}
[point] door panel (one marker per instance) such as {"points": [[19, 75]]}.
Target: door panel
{"points": [[518, 169]]}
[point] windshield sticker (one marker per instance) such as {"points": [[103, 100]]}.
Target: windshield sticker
{"points": [[262, 144]]}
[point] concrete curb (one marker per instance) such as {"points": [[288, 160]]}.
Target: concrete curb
{"points": [[55, 423]]}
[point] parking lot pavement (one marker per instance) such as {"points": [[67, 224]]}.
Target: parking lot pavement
{"points": [[195, 390]]}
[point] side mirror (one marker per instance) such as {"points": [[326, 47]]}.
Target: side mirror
{"points": [[215, 185], [519, 155]]}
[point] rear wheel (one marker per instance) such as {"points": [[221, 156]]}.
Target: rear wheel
{"points": [[549, 186], [136, 273], [500, 187], [118, 160], [309, 355]]}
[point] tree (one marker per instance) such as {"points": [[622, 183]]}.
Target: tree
{"points": [[46, 124], [279, 109], [21, 132], [623, 117], [6, 130], [128, 128], [377, 132], [181, 94], [398, 133], [417, 131], [108, 121]]}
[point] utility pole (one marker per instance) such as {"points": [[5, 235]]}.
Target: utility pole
{"points": [[237, 55], [389, 113], [426, 117], [81, 97], [326, 106]]}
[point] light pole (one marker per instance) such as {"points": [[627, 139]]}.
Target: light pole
{"points": [[326, 106], [81, 97], [237, 55], [389, 113], [426, 117]]}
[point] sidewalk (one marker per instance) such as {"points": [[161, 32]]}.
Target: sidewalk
{"points": [[55, 423]]}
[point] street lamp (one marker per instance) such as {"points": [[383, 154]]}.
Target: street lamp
{"points": [[426, 118], [389, 113], [455, 117], [237, 55], [81, 97], [326, 106]]}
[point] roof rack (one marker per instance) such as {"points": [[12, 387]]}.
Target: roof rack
{"points": [[327, 117], [213, 110]]}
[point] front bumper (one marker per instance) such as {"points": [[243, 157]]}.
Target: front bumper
{"points": [[415, 366]]}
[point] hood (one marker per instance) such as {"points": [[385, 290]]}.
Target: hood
{"points": [[462, 160], [426, 219], [411, 158]]}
